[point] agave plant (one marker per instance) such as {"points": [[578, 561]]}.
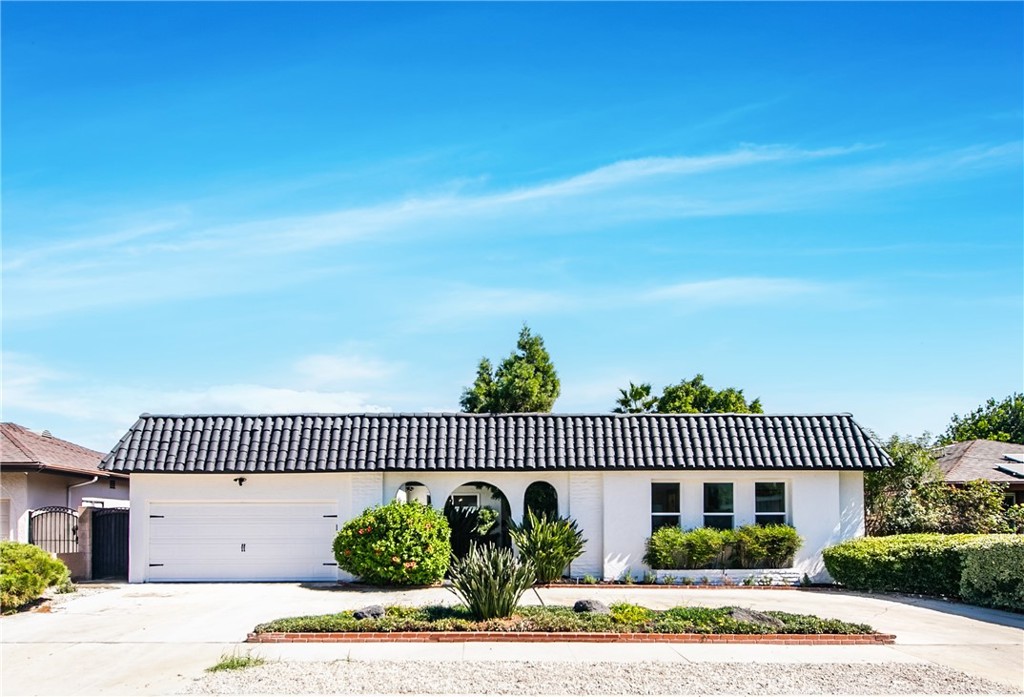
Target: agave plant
{"points": [[490, 581], [551, 544]]}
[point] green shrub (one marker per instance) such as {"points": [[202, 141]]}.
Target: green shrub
{"points": [[490, 581], [400, 544], [551, 544], [767, 546], [26, 571], [627, 613], [925, 563], [750, 547], [993, 572]]}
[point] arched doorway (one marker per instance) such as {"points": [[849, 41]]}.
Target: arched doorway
{"points": [[542, 499], [479, 513]]}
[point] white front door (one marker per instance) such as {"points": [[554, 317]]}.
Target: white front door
{"points": [[228, 541]]}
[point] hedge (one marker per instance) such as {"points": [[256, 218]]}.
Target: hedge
{"points": [[993, 572], [749, 547], [981, 569], [26, 571]]}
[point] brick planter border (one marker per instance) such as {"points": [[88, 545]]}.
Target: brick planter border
{"points": [[587, 637]]}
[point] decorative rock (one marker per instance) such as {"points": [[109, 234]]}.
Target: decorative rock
{"points": [[594, 606], [369, 612], [742, 614]]}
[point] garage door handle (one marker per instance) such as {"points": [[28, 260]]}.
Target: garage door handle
{"points": [[243, 546]]}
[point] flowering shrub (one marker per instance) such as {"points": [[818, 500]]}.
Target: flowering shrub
{"points": [[400, 544]]}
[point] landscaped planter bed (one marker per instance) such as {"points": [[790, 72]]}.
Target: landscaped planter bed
{"points": [[624, 623]]}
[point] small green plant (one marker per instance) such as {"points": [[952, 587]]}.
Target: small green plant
{"points": [[400, 544], [805, 581], [765, 580], [627, 613], [704, 581], [26, 571], [748, 581], [686, 581], [236, 662], [590, 580], [490, 581], [627, 576], [551, 544], [649, 578], [669, 580]]}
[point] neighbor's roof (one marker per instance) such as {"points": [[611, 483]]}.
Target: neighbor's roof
{"points": [[21, 448], [981, 459], [492, 442]]}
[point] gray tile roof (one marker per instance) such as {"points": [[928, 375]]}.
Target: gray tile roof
{"points": [[492, 442]]}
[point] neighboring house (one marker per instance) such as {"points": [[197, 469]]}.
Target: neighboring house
{"points": [[992, 460], [260, 497], [39, 470]]}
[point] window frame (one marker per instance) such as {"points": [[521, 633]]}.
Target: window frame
{"points": [[673, 518], [783, 514], [475, 497], [730, 515]]}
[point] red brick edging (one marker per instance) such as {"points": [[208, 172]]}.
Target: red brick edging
{"points": [[593, 637]]}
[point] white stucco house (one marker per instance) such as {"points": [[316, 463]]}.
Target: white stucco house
{"points": [[219, 498]]}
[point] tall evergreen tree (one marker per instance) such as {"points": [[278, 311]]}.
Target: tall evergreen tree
{"points": [[526, 381]]}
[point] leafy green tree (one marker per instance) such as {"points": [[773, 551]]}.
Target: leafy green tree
{"points": [[995, 420], [893, 503], [636, 399], [526, 381], [696, 397]]}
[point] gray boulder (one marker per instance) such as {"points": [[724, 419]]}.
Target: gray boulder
{"points": [[369, 612], [594, 606], [742, 614]]}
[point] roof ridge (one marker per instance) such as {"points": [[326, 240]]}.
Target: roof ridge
{"points": [[463, 414]]}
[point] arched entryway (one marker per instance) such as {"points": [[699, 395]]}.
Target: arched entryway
{"points": [[478, 512]]}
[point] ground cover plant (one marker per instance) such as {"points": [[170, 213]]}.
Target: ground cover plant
{"points": [[400, 544], [26, 571], [235, 662], [981, 569], [624, 617]]}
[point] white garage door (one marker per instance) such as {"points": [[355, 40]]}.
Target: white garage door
{"points": [[282, 541]]}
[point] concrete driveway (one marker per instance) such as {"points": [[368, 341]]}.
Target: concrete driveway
{"points": [[155, 638]]}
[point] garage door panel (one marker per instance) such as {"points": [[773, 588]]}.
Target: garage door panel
{"points": [[270, 541]]}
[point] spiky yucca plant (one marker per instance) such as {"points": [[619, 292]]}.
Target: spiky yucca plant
{"points": [[490, 581], [550, 544]]}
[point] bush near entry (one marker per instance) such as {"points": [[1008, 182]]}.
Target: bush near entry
{"points": [[26, 571], [400, 544], [981, 569]]}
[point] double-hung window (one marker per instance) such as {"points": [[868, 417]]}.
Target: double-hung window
{"points": [[664, 505], [718, 505], [770, 503]]}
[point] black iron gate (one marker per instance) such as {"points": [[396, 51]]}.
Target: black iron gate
{"points": [[54, 528], [110, 543]]}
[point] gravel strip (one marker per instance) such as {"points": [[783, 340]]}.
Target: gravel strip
{"points": [[587, 678], [57, 601]]}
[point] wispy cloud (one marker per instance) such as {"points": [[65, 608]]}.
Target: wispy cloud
{"points": [[736, 291], [183, 257]]}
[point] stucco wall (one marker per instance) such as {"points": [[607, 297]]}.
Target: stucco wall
{"points": [[13, 487], [612, 508]]}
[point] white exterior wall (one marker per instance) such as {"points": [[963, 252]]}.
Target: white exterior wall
{"points": [[14, 489], [350, 492], [613, 509]]}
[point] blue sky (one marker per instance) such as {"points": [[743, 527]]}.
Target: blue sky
{"points": [[341, 207]]}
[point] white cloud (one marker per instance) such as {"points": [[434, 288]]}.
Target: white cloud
{"points": [[186, 256], [324, 369], [736, 291]]}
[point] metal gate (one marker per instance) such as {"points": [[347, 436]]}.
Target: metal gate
{"points": [[54, 528], [110, 543]]}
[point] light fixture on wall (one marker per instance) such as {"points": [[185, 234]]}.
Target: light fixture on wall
{"points": [[240, 480]]}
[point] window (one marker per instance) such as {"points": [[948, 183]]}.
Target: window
{"points": [[466, 500], [770, 503], [664, 506], [718, 510], [113, 483]]}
